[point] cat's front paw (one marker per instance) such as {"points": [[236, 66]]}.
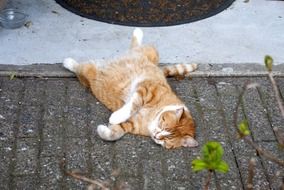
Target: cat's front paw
{"points": [[119, 116]]}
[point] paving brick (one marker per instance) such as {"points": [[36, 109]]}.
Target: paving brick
{"points": [[257, 118], [50, 174], [274, 171], [72, 183], [230, 184], [152, 174], [52, 129], [230, 158], [76, 153], [26, 154], [52, 147], [127, 183], [270, 104], [5, 158], [27, 182], [76, 93], [99, 114], [56, 92], [8, 121], [279, 82], [76, 121], [260, 181], [29, 121], [127, 158], [206, 92], [180, 185], [34, 91], [189, 155], [153, 159], [54, 112], [11, 91], [228, 98], [10, 96], [176, 166], [101, 158], [216, 128]]}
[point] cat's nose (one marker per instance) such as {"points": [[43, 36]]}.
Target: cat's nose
{"points": [[158, 136]]}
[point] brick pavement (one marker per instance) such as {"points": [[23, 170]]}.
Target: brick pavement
{"points": [[44, 120]]}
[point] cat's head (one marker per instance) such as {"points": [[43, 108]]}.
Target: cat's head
{"points": [[175, 129]]}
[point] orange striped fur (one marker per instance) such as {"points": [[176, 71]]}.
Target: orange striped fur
{"points": [[135, 89], [178, 69]]}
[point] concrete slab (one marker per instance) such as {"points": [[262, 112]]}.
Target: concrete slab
{"points": [[244, 33]]}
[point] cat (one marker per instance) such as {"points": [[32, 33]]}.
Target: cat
{"points": [[136, 90]]}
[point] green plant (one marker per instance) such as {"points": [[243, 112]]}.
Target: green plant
{"points": [[243, 128], [211, 160], [212, 153], [268, 61]]}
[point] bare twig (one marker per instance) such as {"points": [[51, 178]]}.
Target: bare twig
{"points": [[264, 153], [251, 168], [260, 150], [277, 94], [94, 183], [91, 181], [207, 182], [282, 186], [218, 186]]}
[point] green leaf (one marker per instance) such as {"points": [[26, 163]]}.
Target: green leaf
{"points": [[243, 128], [212, 153], [268, 60], [222, 167], [198, 165]]}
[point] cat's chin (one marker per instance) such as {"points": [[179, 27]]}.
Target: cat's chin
{"points": [[159, 142]]}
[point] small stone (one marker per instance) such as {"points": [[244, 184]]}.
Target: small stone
{"points": [[24, 149]]}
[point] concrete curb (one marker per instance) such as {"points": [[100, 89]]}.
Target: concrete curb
{"points": [[204, 70]]}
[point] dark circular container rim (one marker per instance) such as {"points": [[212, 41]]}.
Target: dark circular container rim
{"points": [[224, 6]]}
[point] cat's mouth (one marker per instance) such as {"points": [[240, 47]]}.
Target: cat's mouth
{"points": [[158, 141]]}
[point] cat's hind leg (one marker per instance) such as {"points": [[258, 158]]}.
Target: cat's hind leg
{"points": [[137, 38], [114, 132], [85, 72], [147, 50]]}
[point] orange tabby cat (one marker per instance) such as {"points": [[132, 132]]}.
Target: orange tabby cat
{"points": [[136, 90]]}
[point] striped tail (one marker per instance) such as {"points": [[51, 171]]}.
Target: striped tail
{"points": [[179, 69]]}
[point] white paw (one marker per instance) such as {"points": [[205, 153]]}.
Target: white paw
{"points": [[119, 116], [138, 33], [104, 132], [70, 64]]}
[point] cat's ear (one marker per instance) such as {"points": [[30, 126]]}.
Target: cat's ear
{"points": [[179, 112], [189, 142]]}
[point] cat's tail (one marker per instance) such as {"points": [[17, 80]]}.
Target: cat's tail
{"points": [[179, 69], [137, 37]]}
